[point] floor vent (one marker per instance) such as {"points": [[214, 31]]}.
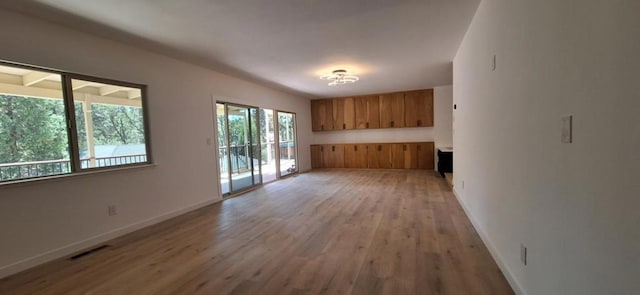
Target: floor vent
{"points": [[90, 251]]}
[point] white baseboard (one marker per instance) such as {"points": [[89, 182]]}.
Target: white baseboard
{"points": [[87, 243], [515, 285]]}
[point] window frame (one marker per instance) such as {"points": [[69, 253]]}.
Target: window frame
{"points": [[71, 125]]}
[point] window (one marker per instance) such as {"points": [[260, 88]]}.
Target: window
{"points": [[55, 123]]}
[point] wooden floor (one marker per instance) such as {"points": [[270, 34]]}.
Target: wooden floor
{"points": [[323, 232]]}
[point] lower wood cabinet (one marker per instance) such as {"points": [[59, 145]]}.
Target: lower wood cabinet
{"points": [[333, 155], [316, 157], [425, 151], [355, 156], [379, 156], [412, 155]]}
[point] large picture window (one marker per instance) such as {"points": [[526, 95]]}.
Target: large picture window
{"points": [[55, 123]]}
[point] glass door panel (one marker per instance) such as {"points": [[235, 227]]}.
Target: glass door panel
{"points": [[267, 142], [254, 142], [240, 152], [223, 148], [287, 143]]}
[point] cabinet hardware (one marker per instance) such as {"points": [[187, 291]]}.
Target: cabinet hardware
{"points": [[419, 147], [379, 148], [321, 148], [404, 147], [333, 148], [355, 148], [344, 126], [367, 125], [392, 123], [419, 122], [322, 127]]}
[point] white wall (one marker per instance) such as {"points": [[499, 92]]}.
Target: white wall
{"points": [[46, 219], [440, 133], [575, 206], [443, 116]]}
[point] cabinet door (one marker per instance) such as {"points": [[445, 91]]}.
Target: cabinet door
{"points": [[321, 115], [316, 156], [333, 155], [367, 112], [392, 110], [344, 113], [397, 155], [418, 108], [355, 156], [425, 155], [317, 112], [379, 155]]}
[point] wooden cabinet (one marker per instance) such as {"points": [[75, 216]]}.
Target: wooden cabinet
{"points": [[322, 115], [418, 108], [379, 155], [367, 112], [426, 155], [355, 156], [333, 155], [344, 113], [389, 110], [404, 156], [392, 110], [413, 155], [316, 156]]}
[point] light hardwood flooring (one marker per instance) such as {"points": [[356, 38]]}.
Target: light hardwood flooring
{"points": [[336, 231]]}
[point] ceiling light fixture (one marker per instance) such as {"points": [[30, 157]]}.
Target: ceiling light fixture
{"points": [[339, 77]]}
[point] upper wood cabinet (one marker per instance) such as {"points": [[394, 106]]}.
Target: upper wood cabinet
{"points": [[367, 112], [392, 110], [355, 156], [418, 108], [344, 113], [322, 115]]}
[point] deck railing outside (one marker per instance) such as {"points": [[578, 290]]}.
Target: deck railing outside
{"points": [[14, 171]]}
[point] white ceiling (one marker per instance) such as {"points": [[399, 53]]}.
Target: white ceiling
{"points": [[391, 44]]}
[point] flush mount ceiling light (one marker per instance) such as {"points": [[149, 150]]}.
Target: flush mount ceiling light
{"points": [[339, 77]]}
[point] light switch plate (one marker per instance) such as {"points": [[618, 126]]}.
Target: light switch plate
{"points": [[567, 129]]}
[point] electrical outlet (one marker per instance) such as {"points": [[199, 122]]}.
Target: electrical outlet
{"points": [[112, 210], [567, 129], [523, 254]]}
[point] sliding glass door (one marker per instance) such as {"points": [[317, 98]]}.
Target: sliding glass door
{"points": [[238, 147], [254, 146]]}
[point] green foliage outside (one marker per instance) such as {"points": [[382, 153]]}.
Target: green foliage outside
{"points": [[34, 129]]}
